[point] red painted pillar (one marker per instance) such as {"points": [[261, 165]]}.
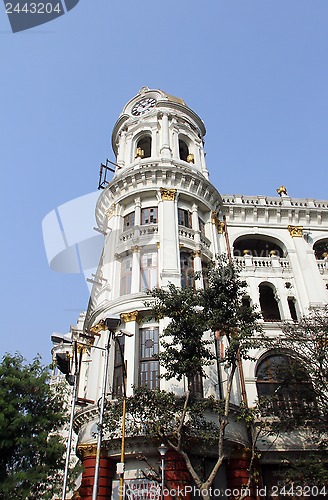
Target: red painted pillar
{"points": [[106, 474], [176, 475], [238, 476]]}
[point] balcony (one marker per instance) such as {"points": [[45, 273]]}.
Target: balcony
{"points": [[248, 262]]}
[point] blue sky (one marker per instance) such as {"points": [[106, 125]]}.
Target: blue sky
{"points": [[254, 70]]}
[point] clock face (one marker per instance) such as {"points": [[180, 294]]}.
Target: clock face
{"points": [[143, 106]]}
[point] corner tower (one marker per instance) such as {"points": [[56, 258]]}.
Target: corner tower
{"points": [[156, 214]]}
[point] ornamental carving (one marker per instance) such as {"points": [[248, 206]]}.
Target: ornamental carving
{"points": [[110, 211], [168, 194], [90, 450], [135, 249], [282, 190], [295, 231], [219, 224], [101, 326], [130, 316]]}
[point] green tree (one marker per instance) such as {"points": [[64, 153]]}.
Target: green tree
{"points": [[192, 425], [31, 414]]}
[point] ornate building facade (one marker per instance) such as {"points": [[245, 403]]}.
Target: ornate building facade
{"points": [[163, 220]]}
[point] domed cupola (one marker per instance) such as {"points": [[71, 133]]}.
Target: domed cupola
{"points": [[156, 127]]}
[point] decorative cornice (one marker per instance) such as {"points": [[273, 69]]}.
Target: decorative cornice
{"points": [[168, 194], [130, 316], [295, 231]]}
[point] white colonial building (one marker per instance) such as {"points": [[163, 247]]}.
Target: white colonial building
{"points": [[162, 219]]}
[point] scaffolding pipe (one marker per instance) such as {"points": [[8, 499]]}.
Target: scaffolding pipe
{"points": [[101, 419], [70, 432]]}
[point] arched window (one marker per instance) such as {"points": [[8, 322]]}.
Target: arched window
{"points": [[283, 384], [144, 147], [321, 249], [268, 302], [118, 367], [183, 150], [257, 247]]}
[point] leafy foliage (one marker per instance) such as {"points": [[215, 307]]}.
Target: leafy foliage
{"points": [[157, 414], [188, 425], [31, 453], [306, 375], [216, 308]]}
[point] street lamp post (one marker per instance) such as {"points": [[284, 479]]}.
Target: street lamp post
{"points": [[162, 451]]}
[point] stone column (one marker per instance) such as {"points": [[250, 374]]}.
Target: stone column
{"points": [[177, 476], [106, 473], [131, 348], [169, 238], [135, 279], [121, 149], [238, 476], [165, 147], [310, 273], [137, 211]]}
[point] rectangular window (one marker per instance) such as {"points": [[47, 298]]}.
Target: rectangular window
{"points": [[148, 264], [128, 221], [187, 270], [184, 218], [148, 366], [201, 227], [195, 384], [126, 274], [118, 367], [149, 215]]}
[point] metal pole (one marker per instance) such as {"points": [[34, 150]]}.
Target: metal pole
{"points": [[162, 451], [70, 432], [101, 418], [163, 476], [121, 488]]}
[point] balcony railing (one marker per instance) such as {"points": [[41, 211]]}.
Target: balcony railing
{"points": [[262, 262], [323, 266]]}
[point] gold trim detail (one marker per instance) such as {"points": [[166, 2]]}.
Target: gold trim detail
{"points": [[219, 224], [110, 211], [168, 194], [130, 316], [101, 326], [139, 153], [295, 231], [135, 249], [191, 158], [282, 190], [197, 253], [90, 450], [158, 245]]}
